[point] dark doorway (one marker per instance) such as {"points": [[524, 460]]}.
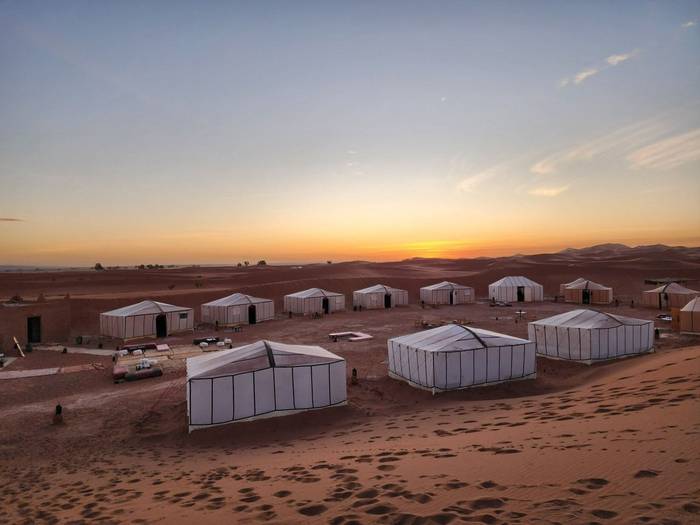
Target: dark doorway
{"points": [[452, 297], [663, 301], [161, 326], [326, 306], [33, 329], [387, 300], [521, 294], [586, 296], [252, 314]]}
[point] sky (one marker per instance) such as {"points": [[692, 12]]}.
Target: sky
{"points": [[215, 132]]}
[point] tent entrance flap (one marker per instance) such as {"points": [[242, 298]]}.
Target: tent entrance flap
{"points": [[33, 329], [521, 294], [387, 300], [452, 297], [161, 326], [326, 306], [586, 296], [252, 314]]}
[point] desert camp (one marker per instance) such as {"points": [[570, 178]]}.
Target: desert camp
{"points": [[446, 292], [588, 336], [516, 289], [238, 308], [379, 296], [146, 319]]}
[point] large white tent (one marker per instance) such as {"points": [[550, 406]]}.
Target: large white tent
{"points": [[314, 300], [563, 286], [690, 317], [379, 296], [670, 295], [238, 308], [262, 379], [516, 289], [453, 356], [146, 319], [447, 293], [590, 335], [583, 291]]}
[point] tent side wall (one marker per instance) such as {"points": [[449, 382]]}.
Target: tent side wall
{"points": [[690, 321], [311, 305], [368, 301], [237, 314], [460, 369], [590, 345], [575, 295], [510, 293], [679, 300], [272, 391], [461, 296]]}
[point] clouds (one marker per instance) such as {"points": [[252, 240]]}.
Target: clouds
{"points": [[668, 153], [548, 191], [10, 219], [470, 183], [611, 61], [689, 24]]}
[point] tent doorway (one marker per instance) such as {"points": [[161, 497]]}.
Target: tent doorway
{"points": [[452, 297], [663, 301], [161, 326], [585, 296], [387, 300], [252, 314], [33, 329], [521, 294], [326, 306]]}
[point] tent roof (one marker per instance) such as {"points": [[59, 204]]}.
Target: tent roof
{"points": [[237, 299], [313, 292], [515, 280], [672, 288], [692, 306], [261, 354], [575, 281], [445, 285], [585, 284], [145, 308], [379, 288], [589, 319], [454, 337]]}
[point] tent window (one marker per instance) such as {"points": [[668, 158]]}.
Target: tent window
{"points": [[183, 316]]}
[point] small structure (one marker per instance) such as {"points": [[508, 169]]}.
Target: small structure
{"points": [[379, 296], [517, 288], [671, 295], [262, 379], [447, 293], [314, 301], [146, 319], [454, 356], [237, 309], [31, 322], [590, 335], [690, 317], [583, 291]]}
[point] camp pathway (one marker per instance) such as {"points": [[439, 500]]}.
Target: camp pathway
{"points": [[37, 372]]}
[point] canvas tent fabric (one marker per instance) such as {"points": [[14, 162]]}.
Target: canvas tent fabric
{"points": [[446, 293], [379, 296], [453, 356], [262, 379], [516, 289], [572, 283], [670, 295], [590, 335], [690, 317], [587, 292], [314, 300], [236, 309], [142, 319]]}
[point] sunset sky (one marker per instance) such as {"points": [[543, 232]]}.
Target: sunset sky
{"points": [[212, 132]]}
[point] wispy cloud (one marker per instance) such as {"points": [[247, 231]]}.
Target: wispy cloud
{"points": [[548, 191], [471, 182], [668, 153], [10, 219], [689, 24], [611, 61], [623, 139]]}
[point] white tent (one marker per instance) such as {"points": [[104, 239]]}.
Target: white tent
{"points": [[583, 291], [670, 295], [447, 293], [314, 300], [379, 296], [146, 319], [572, 283], [262, 379], [238, 308], [590, 335], [516, 289], [453, 356], [690, 317]]}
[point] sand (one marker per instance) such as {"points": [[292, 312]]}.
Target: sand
{"points": [[615, 442]]}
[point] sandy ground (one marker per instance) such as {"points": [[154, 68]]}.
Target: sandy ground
{"points": [[611, 443]]}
